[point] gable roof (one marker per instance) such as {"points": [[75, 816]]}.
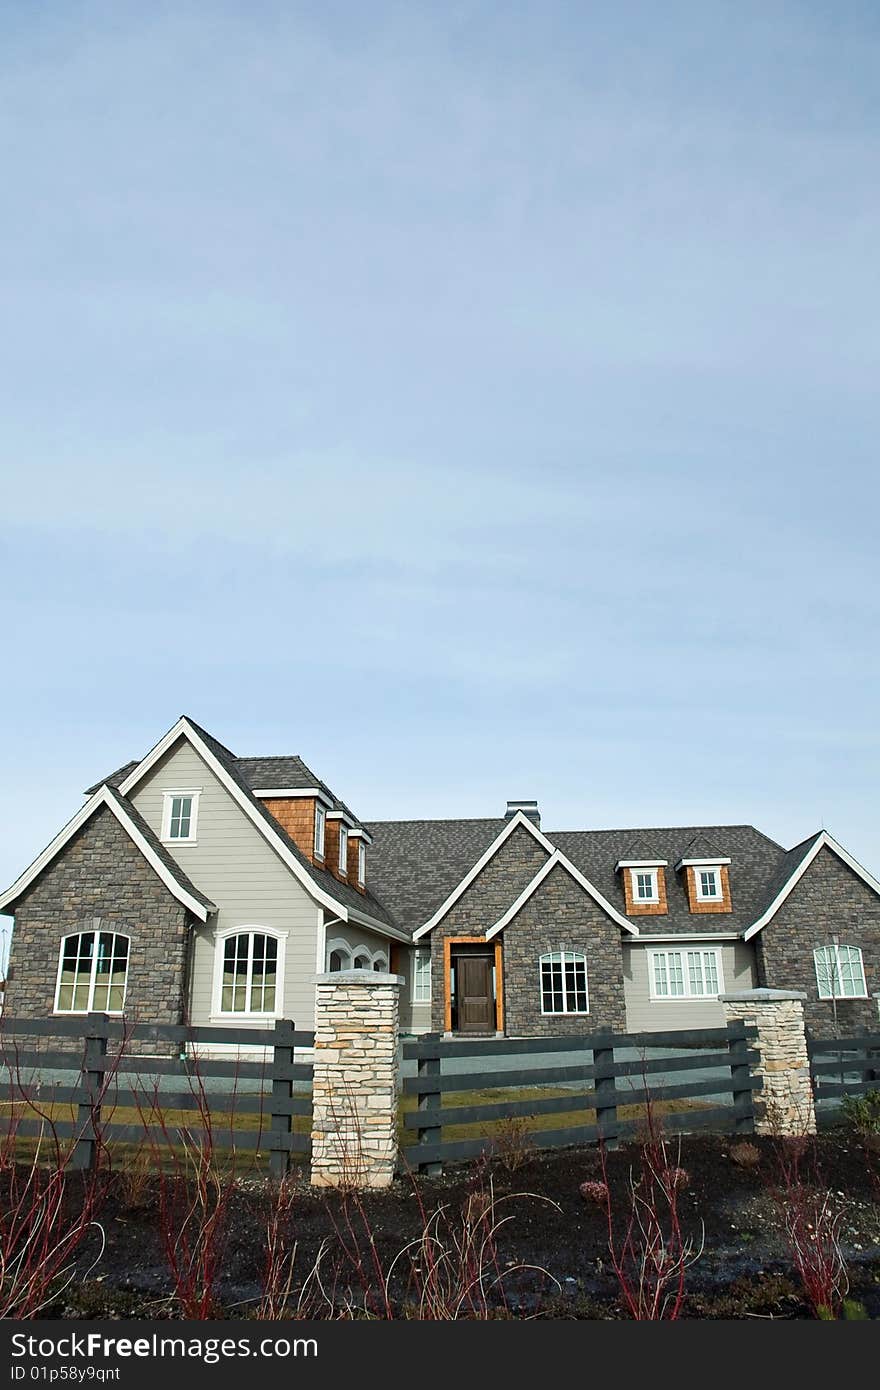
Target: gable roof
{"points": [[558, 860], [520, 820], [416, 864], [793, 868], [340, 898], [134, 825], [288, 773]]}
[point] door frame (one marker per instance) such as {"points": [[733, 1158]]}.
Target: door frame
{"points": [[448, 944]]}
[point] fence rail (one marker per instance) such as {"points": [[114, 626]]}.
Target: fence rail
{"points": [[97, 1095], [596, 1086], [841, 1067]]}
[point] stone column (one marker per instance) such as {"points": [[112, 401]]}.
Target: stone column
{"points": [[785, 1105], [354, 1092]]}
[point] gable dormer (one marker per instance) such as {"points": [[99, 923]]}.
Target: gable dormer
{"points": [[358, 840], [706, 877], [643, 875], [303, 817]]}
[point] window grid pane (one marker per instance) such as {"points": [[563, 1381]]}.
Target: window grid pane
{"points": [[181, 817], [645, 886], [94, 970], [708, 883], [685, 975], [840, 972], [563, 982], [422, 981], [676, 975]]}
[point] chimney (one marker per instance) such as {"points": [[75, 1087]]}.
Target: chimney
{"points": [[528, 808]]}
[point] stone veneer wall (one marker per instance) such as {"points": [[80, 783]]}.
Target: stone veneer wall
{"points": [[354, 1088], [481, 905], [561, 916], [829, 900], [101, 881], [785, 1105]]}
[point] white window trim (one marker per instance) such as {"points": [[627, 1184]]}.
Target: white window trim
{"points": [[168, 796], [344, 948], [320, 831], [687, 997], [96, 931], [421, 955], [719, 884], [837, 978], [343, 850], [362, 864], [634, 885], [361, 953], [563, 1013], [219, 1015]]}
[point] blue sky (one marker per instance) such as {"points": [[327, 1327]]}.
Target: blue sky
{"points": [[479, 400]]}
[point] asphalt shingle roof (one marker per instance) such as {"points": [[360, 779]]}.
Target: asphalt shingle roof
{"points": [[159, 850], [289, 773], [342, 892], [115, 779], [415, 865]]}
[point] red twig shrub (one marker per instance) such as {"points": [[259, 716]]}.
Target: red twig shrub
{"points": [[812, 1219], [46, 1214], [650, 1254]]}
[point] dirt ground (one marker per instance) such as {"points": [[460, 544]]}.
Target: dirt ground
{"points": [[551, 1243]]}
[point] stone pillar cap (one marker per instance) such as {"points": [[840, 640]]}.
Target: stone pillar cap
{"points": [[761, 996], [358, 977]]}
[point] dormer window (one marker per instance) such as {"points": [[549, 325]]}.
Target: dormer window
{"points": [[708, 885], [320, 827], [644, 882], [706, 882], [343, 850], [362, 863]]}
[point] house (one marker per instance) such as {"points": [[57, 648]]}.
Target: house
{"points": [[196, 885]]}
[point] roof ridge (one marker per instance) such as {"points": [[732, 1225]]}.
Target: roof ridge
{"points": [[265, 757], [437, 820], [663, 830]]}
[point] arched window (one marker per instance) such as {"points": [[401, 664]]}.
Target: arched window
{"points": [[251, 973], [564, 983], [92, 973], [338, 955], [380, 962], [362, 960], [840, 973]]}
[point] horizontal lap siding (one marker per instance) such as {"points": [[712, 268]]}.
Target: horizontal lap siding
{"points": [[232, 863], [644, 1014]]}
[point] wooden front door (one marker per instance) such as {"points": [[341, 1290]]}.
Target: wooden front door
{"points": [[474, 994]]}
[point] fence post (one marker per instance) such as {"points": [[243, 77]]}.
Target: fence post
{"points": [[88, 1113], [282, 1090], [606, 1090], [354, 1089], [429, 1100], [740, 1077], [787, 1106]]}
